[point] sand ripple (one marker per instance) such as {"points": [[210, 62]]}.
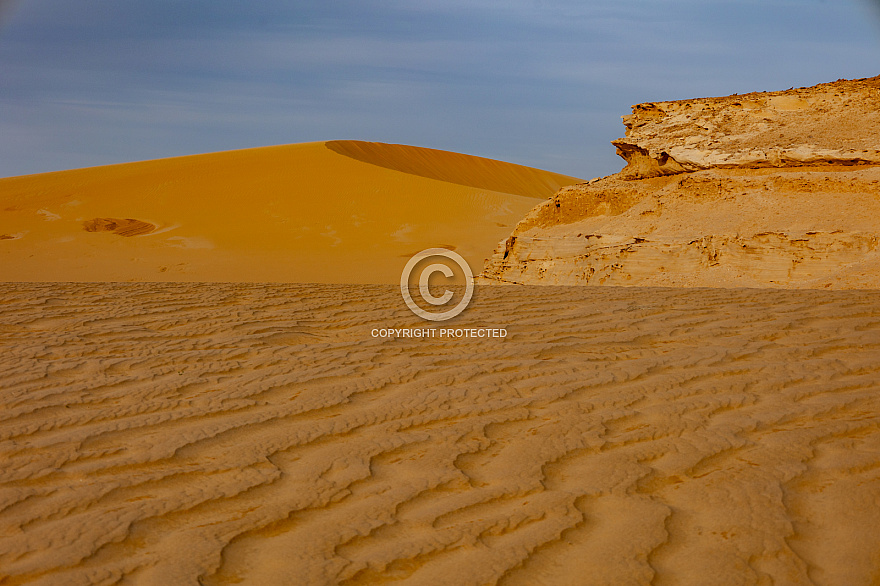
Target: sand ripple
{"points": [[215, 434]]}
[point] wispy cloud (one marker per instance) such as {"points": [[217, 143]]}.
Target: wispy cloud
{"points": [[540, 82]]}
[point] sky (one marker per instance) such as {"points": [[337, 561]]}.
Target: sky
{"points": [[536, 82]]}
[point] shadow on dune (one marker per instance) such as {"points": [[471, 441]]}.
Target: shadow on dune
{"points": [[455, 168]]}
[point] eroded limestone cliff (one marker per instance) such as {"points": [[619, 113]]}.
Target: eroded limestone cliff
{"points": [[777, 189]]}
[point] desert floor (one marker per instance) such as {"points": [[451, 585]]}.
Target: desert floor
{"points": [[258, 434]]}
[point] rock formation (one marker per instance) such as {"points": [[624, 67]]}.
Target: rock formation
{"points": [[778, 189]]}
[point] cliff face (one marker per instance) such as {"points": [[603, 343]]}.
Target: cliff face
{"points": [[829, 124], [776, 189]]}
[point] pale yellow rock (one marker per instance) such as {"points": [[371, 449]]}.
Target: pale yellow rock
{"points": [[722, 192], [832, 123]]}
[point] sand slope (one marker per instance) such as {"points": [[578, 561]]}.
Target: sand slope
{"points": [[258, 434], [342, 211]]}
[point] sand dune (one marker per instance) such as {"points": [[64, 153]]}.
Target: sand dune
{"points": [[342, 211], [258, 434], [456, 168]]}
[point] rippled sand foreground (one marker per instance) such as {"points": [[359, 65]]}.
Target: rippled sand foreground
{"points": [[258, 434]]}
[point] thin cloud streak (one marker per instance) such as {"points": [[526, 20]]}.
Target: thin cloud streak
{"points": [[539, 83]]}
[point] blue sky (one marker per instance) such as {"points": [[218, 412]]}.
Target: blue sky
{"points": [[536, 82]]}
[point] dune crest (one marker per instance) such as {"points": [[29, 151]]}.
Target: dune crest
{"points": [[455, 168], [720, 192], [344, 212]]}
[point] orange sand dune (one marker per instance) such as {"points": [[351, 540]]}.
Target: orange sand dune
{"points": [[341, 211]]}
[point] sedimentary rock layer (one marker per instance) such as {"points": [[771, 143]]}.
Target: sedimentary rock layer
{"points": [[834, 123], [704, 201], [803, 228]]}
